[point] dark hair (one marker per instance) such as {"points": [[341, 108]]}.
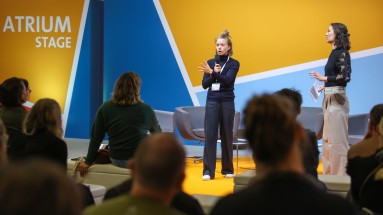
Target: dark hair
{"points": [[294, 95], [3, 143], [376, 114], [45, 115], [127, 89], [226, 35], [159, 161], [341, 36], [38, 187], [25, 82], [11, 92], [270, 127]]}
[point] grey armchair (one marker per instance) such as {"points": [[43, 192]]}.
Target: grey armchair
{"points": [[357, 127], [190, 122], [312, 118], [166, 120]]}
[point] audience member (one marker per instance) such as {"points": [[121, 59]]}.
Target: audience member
{"points": [[310, 150], [27, 104], [12, 95], [37, 187], [3, 143], [362, 157], [181, 201], [126, 120], [281, 185], [371, 193], [158, 169], [43, 131]]}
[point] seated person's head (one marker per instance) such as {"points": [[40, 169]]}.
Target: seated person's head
{"points": [[37, 187], [12, 92], [376, 114], [3, 143], [27, 88], [159, 163], [127, 89], [294, 96], [272, 131], [381, 127], [44, 116]]}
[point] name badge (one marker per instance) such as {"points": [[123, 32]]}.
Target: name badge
{"points": [[215, 86]]}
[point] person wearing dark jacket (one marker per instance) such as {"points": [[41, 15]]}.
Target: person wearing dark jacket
{"points": [[219, 77]]}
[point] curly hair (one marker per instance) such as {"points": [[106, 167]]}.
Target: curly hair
{"points": [[45, 115], [127, 89], [341, 36], [226, 35]]}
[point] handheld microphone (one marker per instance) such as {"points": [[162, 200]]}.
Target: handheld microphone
{"points": [[217, 58]]}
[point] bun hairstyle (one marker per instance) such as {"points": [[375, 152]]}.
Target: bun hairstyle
{"points": [[342, 37], [226, 35]]}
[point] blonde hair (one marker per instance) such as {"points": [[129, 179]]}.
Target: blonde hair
{"points": [[3, 143], [226, 35], [127, 89], [45, 115]]}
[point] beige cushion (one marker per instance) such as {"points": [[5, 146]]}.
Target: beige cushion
{"points": [[336, 183], [106, 175], [244, 178]]}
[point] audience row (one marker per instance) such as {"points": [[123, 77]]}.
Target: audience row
{"points": [[287, 156]]}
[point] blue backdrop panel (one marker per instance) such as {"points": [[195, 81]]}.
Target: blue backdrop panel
{"points": [[78, 125], [364, 90], [136, 41]]}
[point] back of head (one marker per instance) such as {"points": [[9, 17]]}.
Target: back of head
{"points": [[226, 35], [270, 128], [381, 127], [37, 187], [376, 114], [159, 162], [295, 97], [3, 143], [127, 89], [45, 115], [11, 92]]}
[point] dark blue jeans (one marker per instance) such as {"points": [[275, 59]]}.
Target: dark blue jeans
{"points": [[219, 117]]}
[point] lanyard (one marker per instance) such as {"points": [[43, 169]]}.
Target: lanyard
{"points": [[216, 81], [224, 64]]}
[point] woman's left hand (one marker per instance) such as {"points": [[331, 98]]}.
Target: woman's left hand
{"points": [[318, 76], [205, 68]]}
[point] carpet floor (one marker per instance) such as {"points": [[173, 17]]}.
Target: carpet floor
{"points": [[220, 186]]}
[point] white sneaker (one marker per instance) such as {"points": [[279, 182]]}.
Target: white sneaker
{"points": [[229, 175], [205, 177]]}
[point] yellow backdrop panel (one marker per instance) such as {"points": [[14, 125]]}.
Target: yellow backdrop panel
{"points": [[269, 34], [47, 69]]}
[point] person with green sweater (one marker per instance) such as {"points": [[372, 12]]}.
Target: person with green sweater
{"points": [[126, 120]]}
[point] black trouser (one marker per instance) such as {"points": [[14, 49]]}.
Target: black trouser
{"points": [[218, 115]]}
